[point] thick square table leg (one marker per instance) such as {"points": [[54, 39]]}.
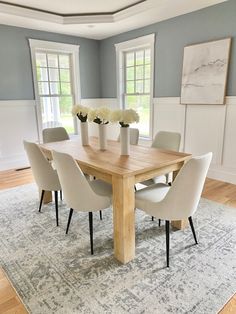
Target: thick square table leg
{"points": [[178, 224], [124, 218]]}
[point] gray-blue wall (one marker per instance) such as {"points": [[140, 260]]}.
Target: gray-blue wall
{"points": [[171, 36], [16, 80], [98, 58]]}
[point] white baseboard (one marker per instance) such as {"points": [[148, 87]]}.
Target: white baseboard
{"points": [[223, 174], [14, 162]]}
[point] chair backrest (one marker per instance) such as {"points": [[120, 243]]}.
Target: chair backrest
{"points": [[77, 192], [167, 140], [44, 174], [183, 197], [134, 136], [55, 135]]}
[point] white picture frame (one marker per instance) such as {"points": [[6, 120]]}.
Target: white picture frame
{"points": [[205, 70]]}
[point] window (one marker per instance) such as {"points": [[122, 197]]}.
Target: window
{"points": [[135, 64], [54, 86]]}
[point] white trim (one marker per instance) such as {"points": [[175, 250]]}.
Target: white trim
{"points": [[57, 47], [53, 46], [69, 20], [17, 103], [136, 43]]}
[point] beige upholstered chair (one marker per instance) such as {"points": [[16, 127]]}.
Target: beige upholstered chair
{"points": [[164, 140], [81, 194], [45, 176], [134, 136], [55, 135], [179, 201]]}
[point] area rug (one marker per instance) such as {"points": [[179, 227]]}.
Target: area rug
{"points": [[55, 273]]}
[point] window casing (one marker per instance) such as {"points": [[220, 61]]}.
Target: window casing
{"points": [[55, 68], [135, 64]]}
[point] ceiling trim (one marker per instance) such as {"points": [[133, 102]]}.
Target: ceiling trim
{"points": [[71, 14]]}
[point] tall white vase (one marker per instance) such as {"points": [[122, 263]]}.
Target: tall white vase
{"points": [[124, 141], [102, 136], [84, 133]]}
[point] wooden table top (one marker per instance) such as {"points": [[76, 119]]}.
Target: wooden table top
{"points": [[141, 158]]}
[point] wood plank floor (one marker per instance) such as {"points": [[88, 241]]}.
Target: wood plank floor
{"points": [[10, 303]]}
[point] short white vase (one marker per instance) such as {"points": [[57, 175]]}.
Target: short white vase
{"points": [[84, 133], [102, 136], [124, 141]]}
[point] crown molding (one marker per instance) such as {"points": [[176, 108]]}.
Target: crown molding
{"points": [[74, 18]]}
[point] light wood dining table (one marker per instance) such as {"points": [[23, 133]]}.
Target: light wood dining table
{"points": [[123, 172]]}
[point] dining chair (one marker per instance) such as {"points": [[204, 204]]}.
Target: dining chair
{"points": [[55, 135], [45, 176], [81, 194], [178, 202], [134, 136], [164, 140]]}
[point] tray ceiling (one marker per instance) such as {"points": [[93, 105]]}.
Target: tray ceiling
{"points": [[96, 19]]}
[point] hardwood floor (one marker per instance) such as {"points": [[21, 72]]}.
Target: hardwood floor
{"points": [[9, 301], [214, 190]]}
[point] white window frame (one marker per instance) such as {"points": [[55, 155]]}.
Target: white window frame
{"points": [[56, 47], [147, 41]]}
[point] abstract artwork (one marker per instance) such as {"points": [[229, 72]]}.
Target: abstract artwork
{"points": [[204, 76]]}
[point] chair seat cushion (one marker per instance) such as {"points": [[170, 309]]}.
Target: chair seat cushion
{"points": [[101, 188], [147, 198], [160, 179]]}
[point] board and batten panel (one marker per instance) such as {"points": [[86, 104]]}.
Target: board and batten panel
{"points": [[229, 155], [204, 131], [17, 122], [169, 115]]}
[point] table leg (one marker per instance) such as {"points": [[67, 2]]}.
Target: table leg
{"points": [[124, 218], [178, 224]]}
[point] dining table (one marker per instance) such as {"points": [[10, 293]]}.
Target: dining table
{"points": [[122, 172]]}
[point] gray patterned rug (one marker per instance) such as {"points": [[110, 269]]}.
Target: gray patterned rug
{"points": [[55, 273]]}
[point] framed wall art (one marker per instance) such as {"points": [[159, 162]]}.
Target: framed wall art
{"points": [[204, 76]]}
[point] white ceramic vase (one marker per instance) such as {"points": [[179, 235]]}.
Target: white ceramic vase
{"points": [[84, 133], [102, 136], [124, 141]]}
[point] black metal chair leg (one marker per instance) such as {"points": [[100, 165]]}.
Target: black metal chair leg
{"points": [[61, 195], [91, 231], [192, 228], [152, 218], [69, 219], [159, 222], [56, 206], [167, 242], [41, 200], [100, 212]]}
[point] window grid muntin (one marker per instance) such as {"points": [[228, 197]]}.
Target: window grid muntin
{"points": [[145, 50], [147, 62], [60, 82]]}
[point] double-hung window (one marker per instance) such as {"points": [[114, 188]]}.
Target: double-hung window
{"points": [[55, 84], [135, 81]]}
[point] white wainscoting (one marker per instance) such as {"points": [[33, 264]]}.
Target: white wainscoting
{"points": [[17, 122], [203, 128]]}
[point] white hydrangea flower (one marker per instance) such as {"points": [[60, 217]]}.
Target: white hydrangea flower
{"points": [[116, 115], [81, 112], [92, 115]]}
